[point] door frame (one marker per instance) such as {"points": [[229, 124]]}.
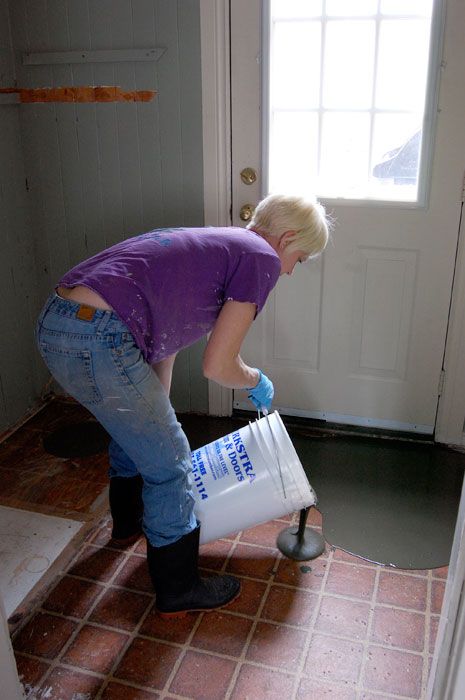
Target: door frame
{"points": [[11, 685], [216, 117], [215, 56]]}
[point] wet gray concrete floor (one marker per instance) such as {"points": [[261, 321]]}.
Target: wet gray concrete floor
{"points": [[389, 501]]}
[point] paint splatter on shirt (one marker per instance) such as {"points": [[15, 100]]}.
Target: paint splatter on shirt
{"points": [[169, 285]]}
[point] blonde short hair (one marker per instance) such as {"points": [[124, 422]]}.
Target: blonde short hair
{"points": [[279, 213]]}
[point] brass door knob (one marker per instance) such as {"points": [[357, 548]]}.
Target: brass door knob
{"points": [[246, 212], [248, 176]]}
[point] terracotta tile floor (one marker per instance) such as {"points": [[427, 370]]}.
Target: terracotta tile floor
{"points": [[337, 627], [32, 479]]}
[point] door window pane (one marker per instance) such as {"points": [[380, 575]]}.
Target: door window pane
{"points": [[355, 8], [296, 8], [347, 88], [395, 156], [295, 75], [402, 64], [293, 152], [348, 65], [345, 145], [422, 8]]}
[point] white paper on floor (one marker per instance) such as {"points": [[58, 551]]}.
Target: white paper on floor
{"points": [[29, 544]]}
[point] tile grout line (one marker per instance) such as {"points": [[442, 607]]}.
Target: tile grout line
{"points": [[186, 645], [359, 689], [126, 554], [169, 643], [105, 587], [310, 631], [242, 658], [426, 648], [222, 655], [131, 637]]}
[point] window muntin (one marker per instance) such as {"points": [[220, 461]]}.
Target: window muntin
{"points": [[346, 97]]}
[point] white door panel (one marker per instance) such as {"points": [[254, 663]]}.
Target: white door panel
{"points": [[358, 337]]}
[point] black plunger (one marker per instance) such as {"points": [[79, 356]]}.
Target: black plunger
{"points": [[301, 544]]}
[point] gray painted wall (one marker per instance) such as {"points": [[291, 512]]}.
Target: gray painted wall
{"points": [[20, 376], [99, 173]]}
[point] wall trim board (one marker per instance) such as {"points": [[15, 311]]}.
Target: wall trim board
{"points": [[48, 58], [451, 411], [214, 32]]}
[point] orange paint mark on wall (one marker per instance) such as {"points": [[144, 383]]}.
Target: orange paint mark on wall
{"points": [[88, 93]]}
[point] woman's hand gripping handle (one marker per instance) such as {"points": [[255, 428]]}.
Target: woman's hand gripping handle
{"points": [[262, 394]]}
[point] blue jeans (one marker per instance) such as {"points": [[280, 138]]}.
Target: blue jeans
{"points": [[93, 356]]}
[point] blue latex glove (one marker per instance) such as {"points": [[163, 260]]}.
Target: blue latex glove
{"points": [[262, 394]]}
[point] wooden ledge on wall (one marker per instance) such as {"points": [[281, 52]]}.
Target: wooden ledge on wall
{"points": [[85, 93]]}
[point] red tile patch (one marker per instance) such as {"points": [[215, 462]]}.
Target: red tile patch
{"points": [[350, 580], [341, 555], [276, 645], [148, 663], [213, 555], [345, 618], [63, 684], [433, 632], [437, 595], [250, 597], [395, 672], [45, 635], [402, 590], [317, 690], [203, 676], [117, 691], [72, 596], [30, 671], [398, 628], [134, 574], [96, 563], [95, 649], [102, 538], [141, 547], [175, 630], [334, 659], [255, 682], [304, 574], [294, 607], [255, 562], [120, 608], [264, 534], [222, 633]]}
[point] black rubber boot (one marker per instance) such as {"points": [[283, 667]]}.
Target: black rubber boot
{"points": [[126, 508], [178, 586]]}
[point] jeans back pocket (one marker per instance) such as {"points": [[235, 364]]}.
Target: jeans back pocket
{"points": [[73, 370]]}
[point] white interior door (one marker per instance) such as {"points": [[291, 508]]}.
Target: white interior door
{"points": [[357, 337]]}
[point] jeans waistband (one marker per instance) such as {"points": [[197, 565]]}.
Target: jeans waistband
{"points": [[100, 319]]}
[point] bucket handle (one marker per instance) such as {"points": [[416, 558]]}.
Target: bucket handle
{"points": [[265, 415]]}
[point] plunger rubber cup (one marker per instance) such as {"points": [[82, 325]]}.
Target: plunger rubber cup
{"points": [[301, 543]]}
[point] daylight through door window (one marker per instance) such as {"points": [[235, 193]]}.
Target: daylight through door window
{"points": [[346, 97]]}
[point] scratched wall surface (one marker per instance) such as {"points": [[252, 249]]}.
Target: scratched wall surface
{"points": [[20, 376], [99, 173]]}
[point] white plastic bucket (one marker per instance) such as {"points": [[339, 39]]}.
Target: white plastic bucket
{"points": [[248, 477]]}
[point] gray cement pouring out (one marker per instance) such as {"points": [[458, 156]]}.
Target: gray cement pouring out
{"points": [[391, 502]]}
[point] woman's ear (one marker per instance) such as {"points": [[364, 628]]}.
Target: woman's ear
{"points": [[285, 239]]}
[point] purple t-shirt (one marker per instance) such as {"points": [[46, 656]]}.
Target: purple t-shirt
{"points": [[168, 285]]}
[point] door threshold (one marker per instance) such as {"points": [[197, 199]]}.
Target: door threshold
{"points": [[314, 426]]}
